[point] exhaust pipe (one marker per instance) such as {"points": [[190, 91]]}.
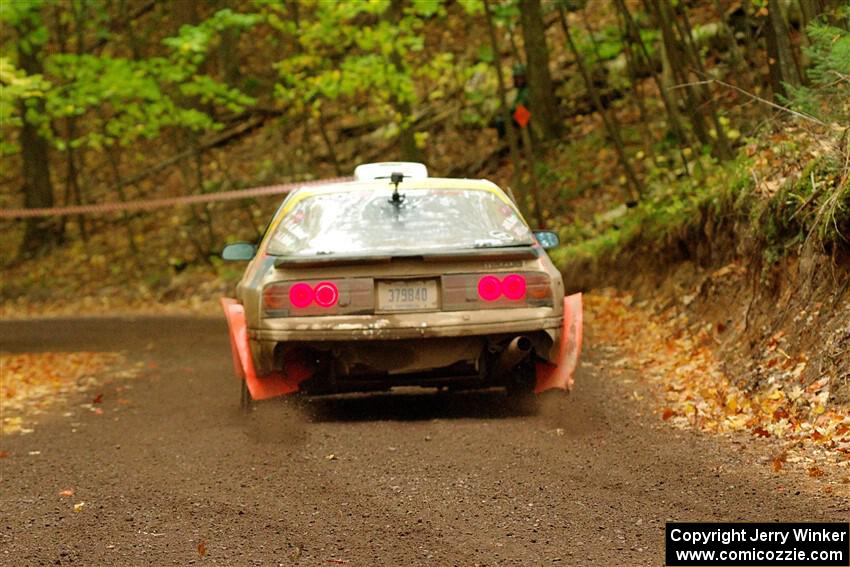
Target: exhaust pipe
{"points": [[517, 351]]}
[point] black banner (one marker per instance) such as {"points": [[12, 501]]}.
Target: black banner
{"points": [[693, 544]]}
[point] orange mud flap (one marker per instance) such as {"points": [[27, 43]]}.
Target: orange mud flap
{"points": [[260, 387], [560, 375]]}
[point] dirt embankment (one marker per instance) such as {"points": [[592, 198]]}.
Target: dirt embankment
{"points": [[775, 340], [761, 319]]}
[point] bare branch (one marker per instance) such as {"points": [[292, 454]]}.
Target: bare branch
{"points": [[772, 104]]}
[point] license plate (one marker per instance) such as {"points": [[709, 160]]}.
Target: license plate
{"points": [[407, 295]]}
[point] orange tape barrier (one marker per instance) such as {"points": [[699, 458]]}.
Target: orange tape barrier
{"points": [[144, 205]]}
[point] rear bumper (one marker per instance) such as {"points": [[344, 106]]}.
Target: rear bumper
{"points": [[409, 325], [248, 347]]}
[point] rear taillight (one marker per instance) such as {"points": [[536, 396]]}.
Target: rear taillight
{"points": [[301, 295], [327, 294], [489, 288], [341, 297], [511, 286], [496, 291]]}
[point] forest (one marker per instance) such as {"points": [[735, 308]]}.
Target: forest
{"points": [[649, 120], [117, 101]]}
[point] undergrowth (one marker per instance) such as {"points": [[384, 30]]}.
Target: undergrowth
{"points": [[667, 211], [788, 188], [782, 199]]}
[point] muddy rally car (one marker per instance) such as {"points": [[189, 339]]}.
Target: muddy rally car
{"points": [[400, 279]]}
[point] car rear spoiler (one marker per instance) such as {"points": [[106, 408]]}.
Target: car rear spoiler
{"points": [[517, 253]]}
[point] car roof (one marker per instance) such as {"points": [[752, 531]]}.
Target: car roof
{"points": [[411, 184]]}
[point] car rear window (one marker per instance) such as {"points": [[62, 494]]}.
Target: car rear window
{"points": [[427, 220]]}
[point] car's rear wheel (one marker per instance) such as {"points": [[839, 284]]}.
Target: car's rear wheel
{"points": [[246, 401], [520, 386]]}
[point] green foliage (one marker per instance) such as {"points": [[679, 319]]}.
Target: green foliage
{"points": [[828, 96], [668, 211], [812, 206], [359, 51], [122, 99], [17, 86], [25, 18], [606, 44], [189, 47]]}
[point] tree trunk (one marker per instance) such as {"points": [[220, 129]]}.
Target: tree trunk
{"points": [[504, 110], [782, 66], [633, 32], [35, 155], [407, 133], [544, 109], [634, 189], [127, 24], [722, 148], [675, 56], [740, 66], [228, 57], [634, 81]]}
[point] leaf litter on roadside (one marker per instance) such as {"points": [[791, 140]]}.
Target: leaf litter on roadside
{"points": [[697, 393], [32, 382]]}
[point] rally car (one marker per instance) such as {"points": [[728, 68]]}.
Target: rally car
{"points": [[400, 279]]}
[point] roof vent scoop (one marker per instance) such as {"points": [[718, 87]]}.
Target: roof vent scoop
{"points": [[385, 170]]}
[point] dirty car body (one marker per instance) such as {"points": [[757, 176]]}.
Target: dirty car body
{"points": [[368, 285]]}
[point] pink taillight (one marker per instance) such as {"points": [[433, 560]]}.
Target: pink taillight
{"points": [[327, 294], [301, 295], [513, 286], [489, 288]]}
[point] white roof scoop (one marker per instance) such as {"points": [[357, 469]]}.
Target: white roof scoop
{"points": [[384, 169]]}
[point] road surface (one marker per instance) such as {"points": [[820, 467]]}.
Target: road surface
{"points": [[173, 473]]}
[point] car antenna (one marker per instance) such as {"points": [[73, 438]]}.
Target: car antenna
{"points": [[395, 178]]}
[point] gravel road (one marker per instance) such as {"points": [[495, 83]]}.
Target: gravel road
{"points": [[173, 473]]}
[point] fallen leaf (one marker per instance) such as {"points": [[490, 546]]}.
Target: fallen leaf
{"points": [[79, 506], [667, 414], [331, 457], [779, 461], [98, 411], [202, 548], [4, 454], [97, 399], [815, 472], [66, 492], [760, 432]]}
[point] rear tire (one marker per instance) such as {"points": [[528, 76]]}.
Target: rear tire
{"points": [[246, 402], [521, 385]]}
